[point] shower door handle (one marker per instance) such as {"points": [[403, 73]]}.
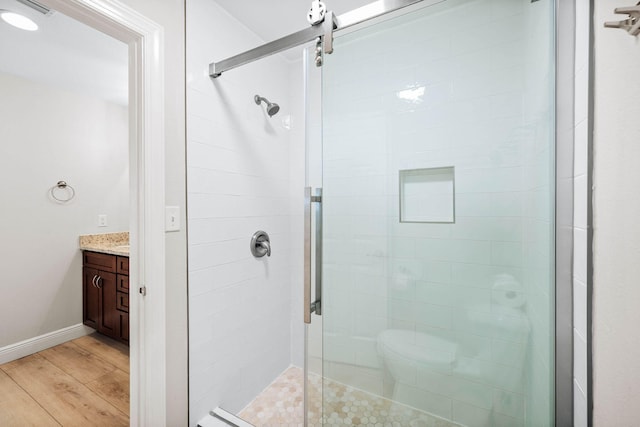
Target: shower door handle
{"points": [[316, 306]]}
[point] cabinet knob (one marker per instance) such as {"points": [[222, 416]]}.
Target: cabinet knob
{"points": [[98, 279], [95, 277]]}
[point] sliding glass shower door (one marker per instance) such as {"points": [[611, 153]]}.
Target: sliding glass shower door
{"points": [[438, 219]]}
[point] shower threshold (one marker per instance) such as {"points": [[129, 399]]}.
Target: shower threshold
{"points": [[221, 418]]}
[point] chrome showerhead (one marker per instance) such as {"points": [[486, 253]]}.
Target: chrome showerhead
{"points": [[272, 107]]}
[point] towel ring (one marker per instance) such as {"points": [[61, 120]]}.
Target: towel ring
{"points": [[61, 185]]}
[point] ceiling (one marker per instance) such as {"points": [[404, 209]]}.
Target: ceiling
{"points": [[271, 20], [72, 56], [65, 54]]}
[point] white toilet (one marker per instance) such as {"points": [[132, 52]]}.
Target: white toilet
{"points": [[432, 373]]}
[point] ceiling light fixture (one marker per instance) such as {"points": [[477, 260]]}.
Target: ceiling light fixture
{"points": [[18, 21]]}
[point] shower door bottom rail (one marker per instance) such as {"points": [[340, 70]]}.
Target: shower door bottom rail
{"points": [[227, 418]]}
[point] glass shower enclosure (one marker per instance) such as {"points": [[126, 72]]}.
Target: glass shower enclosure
{"points": [[432, 220], [436, 158]]}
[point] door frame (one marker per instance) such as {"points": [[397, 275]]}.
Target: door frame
{"points": [[147, 313]]}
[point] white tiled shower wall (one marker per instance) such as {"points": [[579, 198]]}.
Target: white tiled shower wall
{"points": [[483, 105], [238, 183], [583, 15]]}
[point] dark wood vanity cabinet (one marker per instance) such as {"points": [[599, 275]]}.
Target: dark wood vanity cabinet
{"points": [[105, 294], [99, 301]]}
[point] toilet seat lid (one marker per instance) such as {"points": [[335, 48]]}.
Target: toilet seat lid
{"points": [[417, 347]]}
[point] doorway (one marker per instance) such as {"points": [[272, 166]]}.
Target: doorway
{"points": [[147, 201], [66, 145]]}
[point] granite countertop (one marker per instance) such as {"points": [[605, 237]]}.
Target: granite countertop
{"points": [[109, 243]]}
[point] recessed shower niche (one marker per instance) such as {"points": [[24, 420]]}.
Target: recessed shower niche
{"points": [[427, 195]]}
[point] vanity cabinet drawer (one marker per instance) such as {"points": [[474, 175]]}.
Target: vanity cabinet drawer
{"points": [[123, 265], [123, 284], [122, 301], [102, 262]]}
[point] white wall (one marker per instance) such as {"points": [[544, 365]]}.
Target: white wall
{"points": [[238, 183], [50, 135], [583, 15], [616, 251]]}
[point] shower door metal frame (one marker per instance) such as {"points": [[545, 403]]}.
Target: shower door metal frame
{"points": [[323, 30], [564, 133]]}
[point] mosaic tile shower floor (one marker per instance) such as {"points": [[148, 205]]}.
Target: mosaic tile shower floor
{"points": [[282, 405]]}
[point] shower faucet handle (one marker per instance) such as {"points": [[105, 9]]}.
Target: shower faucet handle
{"points": [[260, 244], [265, 246]]}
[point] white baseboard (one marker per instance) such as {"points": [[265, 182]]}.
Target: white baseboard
{"points": [[43, 342]]}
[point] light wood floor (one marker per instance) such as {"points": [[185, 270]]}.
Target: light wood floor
{"points": [[84, 382]]}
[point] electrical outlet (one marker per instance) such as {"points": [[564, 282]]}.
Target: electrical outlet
{"points": [[102, 220], [172, 218]]}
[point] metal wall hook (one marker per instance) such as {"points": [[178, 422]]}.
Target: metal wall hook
{"points": [[631, 24]]}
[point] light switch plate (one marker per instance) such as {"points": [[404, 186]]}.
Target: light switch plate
{"points": [[172, 218]]}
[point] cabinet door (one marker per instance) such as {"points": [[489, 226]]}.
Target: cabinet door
{"points": [[90, 298], [109, 318]]}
